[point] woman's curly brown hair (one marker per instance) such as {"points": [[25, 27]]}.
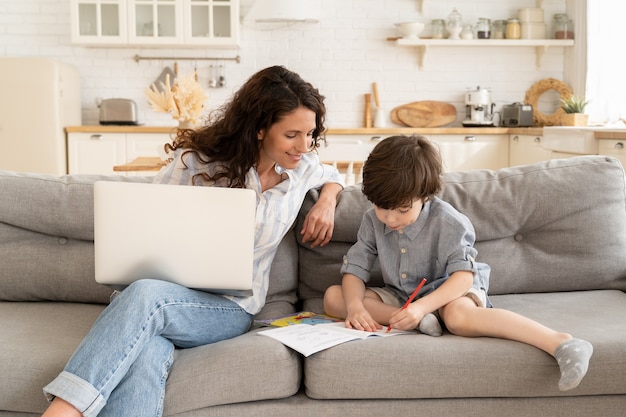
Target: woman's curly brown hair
{"points": [[230, 135]]}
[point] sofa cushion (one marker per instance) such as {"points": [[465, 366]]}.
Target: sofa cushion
{"points": [[46, 243], [554, 226], [282, 291], [558, 225], [319, 267], [37, 339], [46, 237], [420, 366], [246, 368]]}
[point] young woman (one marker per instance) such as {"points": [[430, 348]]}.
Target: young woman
{"points": [[263, 140]]}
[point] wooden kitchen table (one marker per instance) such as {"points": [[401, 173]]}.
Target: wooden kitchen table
{"points": [[142, 163]]}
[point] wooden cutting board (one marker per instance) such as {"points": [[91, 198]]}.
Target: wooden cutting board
{"points": [[427, 113]]}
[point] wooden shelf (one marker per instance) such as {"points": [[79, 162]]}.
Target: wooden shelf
{"points": [[540, 45]]}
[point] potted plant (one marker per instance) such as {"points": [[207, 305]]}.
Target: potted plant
{"points": [[574, 108]]}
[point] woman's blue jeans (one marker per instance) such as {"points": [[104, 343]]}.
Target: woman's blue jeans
{"points": [[121, 366]]}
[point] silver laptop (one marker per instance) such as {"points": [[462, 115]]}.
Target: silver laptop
{"points": [[199, 237]]}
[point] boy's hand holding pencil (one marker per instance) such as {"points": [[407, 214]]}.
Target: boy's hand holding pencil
{"points": [[411, 298]]}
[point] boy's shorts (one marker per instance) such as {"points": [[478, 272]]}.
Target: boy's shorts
{"points": [[479, 297]]}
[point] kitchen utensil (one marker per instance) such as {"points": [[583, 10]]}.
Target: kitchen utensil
{"points": [[118, 111], [517, 115], [427, 113], [380, 117], [160, 81], [479, 108], [454, 24], [368, 110]]}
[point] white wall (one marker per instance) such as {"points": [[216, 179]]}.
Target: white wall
{"points": [[342, 55]]}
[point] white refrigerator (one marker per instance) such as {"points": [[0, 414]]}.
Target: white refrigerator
{"points": [[39, 98]]}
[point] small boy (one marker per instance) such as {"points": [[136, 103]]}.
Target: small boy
{"points": [[416, 235]]}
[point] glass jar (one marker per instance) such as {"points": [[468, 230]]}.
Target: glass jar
{"points": [[454, 24], [483, 28], [513, 29], [467, 32], [438, 29], [563, 26], [498, 29]]}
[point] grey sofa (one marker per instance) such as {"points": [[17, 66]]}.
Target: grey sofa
{"points": [[554, 234]]}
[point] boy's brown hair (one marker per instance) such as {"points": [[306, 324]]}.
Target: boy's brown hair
{"points": [[401, 169]]}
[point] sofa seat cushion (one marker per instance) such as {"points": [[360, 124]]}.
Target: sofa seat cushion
{"points": [[420, 366], [37, 340], [246, 368]]}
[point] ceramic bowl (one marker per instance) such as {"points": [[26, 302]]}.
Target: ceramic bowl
{"points": [[410, 29]]}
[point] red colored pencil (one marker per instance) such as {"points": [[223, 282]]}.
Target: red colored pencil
{"points": [[411, 297]]}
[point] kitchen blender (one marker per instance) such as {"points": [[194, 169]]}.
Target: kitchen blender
{"points": [[479, 108]]}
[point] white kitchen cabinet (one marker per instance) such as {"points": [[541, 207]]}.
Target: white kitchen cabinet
{"points": [[98, 153], [468, 152], [211, 22], [145, 144], [95, 153], [155, 22], [347, 153], [98, 22], [527, 149], [346, 148], [458, 152], [202, 23], [613, 147]]}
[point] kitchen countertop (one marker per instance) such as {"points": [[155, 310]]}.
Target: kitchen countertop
{"points": [[610, 134], [538, 131]]}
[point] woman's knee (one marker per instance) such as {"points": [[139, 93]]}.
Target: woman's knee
{"points": [[144, 292]]}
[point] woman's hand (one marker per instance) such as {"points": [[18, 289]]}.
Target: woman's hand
{"points": [[319, 222]]}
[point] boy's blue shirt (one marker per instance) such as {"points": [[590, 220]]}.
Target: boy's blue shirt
{"points": [[438, 243]]}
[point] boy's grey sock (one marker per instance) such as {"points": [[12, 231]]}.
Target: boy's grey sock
{"points": [[573, 359], [430, 325]]}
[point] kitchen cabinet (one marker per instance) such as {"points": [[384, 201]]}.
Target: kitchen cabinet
{"points": [[95, 153], [99, 152], [201, 23], [98, 22], [527, 149], [468, 152], [458, 152], [613, 147]]}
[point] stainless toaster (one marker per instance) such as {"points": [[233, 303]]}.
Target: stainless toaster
{"points": [[517, 115], [118, 111]]}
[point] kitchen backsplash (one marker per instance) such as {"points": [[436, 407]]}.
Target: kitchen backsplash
{"points": [[342, 54]]}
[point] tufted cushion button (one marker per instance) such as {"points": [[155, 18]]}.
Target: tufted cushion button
{"points": [[62, 240], [518, 237]]}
